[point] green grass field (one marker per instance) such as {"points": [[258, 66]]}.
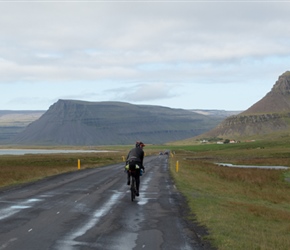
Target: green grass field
{"points": [[241, 208]]}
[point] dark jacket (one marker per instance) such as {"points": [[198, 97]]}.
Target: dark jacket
{"points": [[136, 156]]}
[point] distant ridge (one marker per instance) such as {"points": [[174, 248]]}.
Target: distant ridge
{"points": [[215, 112], [73, 122], [13, 122], [268, 115]]}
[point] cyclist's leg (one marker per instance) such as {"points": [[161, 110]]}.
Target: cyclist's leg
{"points": [[131, 167]]}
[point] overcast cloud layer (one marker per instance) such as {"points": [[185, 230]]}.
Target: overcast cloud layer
{"points": [[180, 54]]}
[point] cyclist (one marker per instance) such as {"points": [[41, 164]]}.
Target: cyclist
{"points": [[135, 161]]}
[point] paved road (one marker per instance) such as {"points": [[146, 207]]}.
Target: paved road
{"points": [[92, 209]]}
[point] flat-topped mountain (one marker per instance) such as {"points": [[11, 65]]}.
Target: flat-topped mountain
{"points": [[71, 122], [270, 114]]}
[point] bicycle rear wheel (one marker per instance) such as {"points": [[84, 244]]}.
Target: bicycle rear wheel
{"points": [[133, 190]]}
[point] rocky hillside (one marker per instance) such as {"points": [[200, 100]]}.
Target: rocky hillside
{"points": [[270, 114], [276, 101], [71, 122]]}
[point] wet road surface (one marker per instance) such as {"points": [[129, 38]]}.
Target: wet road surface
{"points": [[92, 209]]}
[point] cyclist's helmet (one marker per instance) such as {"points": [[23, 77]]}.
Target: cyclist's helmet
{"points": [[139, 144]]}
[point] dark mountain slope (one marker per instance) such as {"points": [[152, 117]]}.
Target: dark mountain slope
{"points": [[270, 114], [70, 122]]}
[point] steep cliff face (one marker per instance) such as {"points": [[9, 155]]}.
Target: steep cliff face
{"points": [[268, 115], [70, 122], [243, 125], [282, 86]]}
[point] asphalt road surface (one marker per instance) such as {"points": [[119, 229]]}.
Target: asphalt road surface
{"points": [[92, 209]]}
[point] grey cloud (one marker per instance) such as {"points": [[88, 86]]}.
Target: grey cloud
{"points": [[144, 92], [96, 41]]}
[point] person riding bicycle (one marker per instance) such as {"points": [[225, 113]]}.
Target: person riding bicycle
{"points": [[135, 161]]}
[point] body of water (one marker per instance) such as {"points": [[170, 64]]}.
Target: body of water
{"points": [[251, 166], [45, 151]]}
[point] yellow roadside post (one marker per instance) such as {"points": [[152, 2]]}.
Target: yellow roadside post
{"points": [[123, 158], [79, 164], [177, 166]]}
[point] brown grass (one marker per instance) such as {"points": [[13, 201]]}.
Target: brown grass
{"points": [[20, 169]]}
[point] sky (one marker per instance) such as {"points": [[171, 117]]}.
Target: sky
{"points": [[223, 55]]}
